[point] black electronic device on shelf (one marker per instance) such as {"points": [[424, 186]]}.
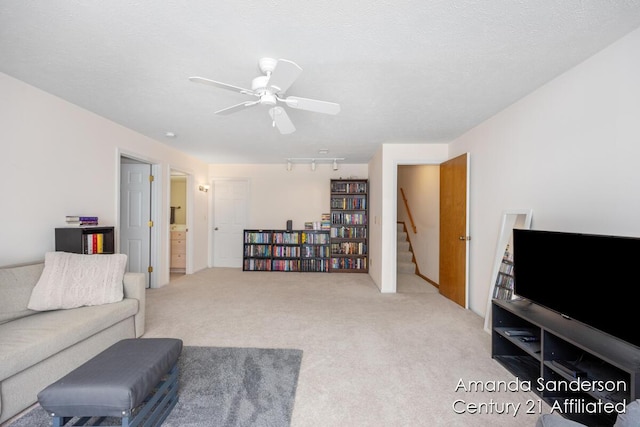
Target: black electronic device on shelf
{"points": [[588, 278]]}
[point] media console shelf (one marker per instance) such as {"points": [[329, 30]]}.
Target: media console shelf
{"points": [[603, 371]]}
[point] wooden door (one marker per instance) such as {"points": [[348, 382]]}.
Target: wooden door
{"points": [[454, 238]]}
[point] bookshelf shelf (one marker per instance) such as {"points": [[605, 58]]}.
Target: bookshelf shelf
{"points": [[593, 357], [286, 250], [85, 240], [349, 225]]}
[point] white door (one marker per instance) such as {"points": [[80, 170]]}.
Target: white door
{"points": [[135, 213], [230, 208]]}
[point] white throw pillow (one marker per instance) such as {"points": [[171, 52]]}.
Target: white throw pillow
{"points": [[73, 280]]}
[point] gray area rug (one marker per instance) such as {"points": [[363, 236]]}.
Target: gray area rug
{"points": [[222, 386]]}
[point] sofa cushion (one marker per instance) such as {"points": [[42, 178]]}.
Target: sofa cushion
{"points": [[556, 420], [16, 284], [29, 340], [73, 280], [631, 415]]}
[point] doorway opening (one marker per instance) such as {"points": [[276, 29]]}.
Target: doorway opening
{"points": [[451, 247], [178, 229], [418, 229]]}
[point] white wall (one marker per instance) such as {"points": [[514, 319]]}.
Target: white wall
{"points": [[421, 185], [59, 159], [277, 194], [569, 151]]}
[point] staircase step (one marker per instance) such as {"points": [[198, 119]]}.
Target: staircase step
{"points": [[406, 267], [404, 256], [404, 263]]}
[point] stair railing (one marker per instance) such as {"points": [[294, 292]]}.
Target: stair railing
{"points": [[406, 205]]}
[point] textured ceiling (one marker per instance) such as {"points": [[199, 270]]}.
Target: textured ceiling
{"points": [[402, 71]]}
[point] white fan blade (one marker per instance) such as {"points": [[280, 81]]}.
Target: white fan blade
{"points": [[237, 107], [221, 85], [312, 105], [281, 120], [283, 76]]}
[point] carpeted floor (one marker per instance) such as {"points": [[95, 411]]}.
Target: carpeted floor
{"points": [[225, 387]]}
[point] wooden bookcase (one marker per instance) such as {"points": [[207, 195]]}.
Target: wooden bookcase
{"points": [[286, 250], [85, 240], [349, 225]]}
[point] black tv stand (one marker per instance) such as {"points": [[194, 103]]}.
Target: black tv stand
{"points": [[586, 373]]}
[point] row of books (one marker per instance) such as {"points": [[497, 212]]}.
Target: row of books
{"points": [[312, 265], [349, 203], [348, 248], [94, 243], [80, 220], [294, 237], [348, 263], [349, 232], [348, 218], [348, 187]]}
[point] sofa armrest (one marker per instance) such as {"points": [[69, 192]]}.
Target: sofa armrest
{"points": [[135, 287]]}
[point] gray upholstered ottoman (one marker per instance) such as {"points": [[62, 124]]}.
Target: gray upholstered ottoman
{"points": [[135, 380]]}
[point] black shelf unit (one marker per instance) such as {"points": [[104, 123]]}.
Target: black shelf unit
{"points": [[315, 250], [349, 225], [77, 239], [608, 366], [257, 250], [286, 250]]}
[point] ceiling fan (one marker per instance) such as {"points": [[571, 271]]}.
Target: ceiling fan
{"points": [[270, 88]]}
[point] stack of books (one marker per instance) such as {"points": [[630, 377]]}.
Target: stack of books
{"points": [[325, 223], [81, 221]]}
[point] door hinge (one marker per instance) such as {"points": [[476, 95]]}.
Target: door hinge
{"points": [[150, 223], [150, 269], [151, 178]]}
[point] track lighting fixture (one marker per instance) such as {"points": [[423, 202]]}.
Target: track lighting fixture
{"points": [[314, 162]]}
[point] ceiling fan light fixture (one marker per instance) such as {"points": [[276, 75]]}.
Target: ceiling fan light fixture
{"points": [[269, 99], [270, 88]]}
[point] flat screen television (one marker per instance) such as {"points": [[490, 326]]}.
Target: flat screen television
{"points": [[589, 278]]}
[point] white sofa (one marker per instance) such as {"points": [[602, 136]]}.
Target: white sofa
{"points": [[39, 347]]}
